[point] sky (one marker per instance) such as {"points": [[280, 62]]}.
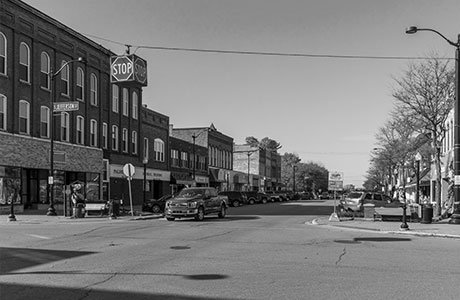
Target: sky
{"points": [[325, 109]]}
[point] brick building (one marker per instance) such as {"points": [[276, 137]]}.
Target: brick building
{"points": [[39, 67], [220, 149]]}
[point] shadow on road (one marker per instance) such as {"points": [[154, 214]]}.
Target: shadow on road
{"points": [[19, 258], [25, 291]]}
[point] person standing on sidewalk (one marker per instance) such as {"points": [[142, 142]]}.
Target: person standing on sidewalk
{"points": [[78, 201]]}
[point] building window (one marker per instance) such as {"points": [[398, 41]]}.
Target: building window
{"points": [[80, 130], [24, 117], [93, 133], [24, 62], [65, 126], [80, 84], [45, 71], [115, 98], [125, 102], [184, 159], [135, 106], [159, 149], [124, 139], [115, 137], [44, 122], [2, 54], [146, 149], [93, 89], [134, 142], [174, 158], [65, 78], [2, 112], [104, 135]]}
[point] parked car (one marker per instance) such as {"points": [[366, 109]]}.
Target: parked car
{"points": [[235, 198], [324, 196], [256, 197], [354, 201], [274, 197], [156, 206], [282, 195], [195, 202]]}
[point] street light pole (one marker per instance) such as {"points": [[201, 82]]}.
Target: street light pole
{"points": [[249, 169], [455, 218], [51, 210], [145, 161], [418, 158]]}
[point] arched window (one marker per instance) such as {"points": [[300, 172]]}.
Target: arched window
{"points": [[44, 122], [115, 137], [45, 70], [2, 54], [125, 102], [135, 106], [104, 135], [115, 98], [24, 117], [93, 133], [159, 150], [65, 78], [80, 84], [65, 126], [134, 142], [93, 89], [124, 139], [3, 112], [24, 62], [80, 130]]}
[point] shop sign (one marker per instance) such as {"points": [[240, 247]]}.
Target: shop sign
{"points": [[201, 179], [116, 171]]}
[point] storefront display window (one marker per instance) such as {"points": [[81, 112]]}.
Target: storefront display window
{"points": [[10, 185]]}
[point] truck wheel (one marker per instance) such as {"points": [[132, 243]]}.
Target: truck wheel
{"points": [[223, 211], [156, 209], [169, 219], [236, 203], [264, 200], [200, 215], [252, 201]]}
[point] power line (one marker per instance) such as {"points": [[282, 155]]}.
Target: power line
{"points": [[220, 51]]}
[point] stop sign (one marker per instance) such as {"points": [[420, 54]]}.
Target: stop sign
{"points": [[121, 69]]}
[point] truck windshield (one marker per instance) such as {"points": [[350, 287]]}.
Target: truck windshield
{"points": [[191, 193]]}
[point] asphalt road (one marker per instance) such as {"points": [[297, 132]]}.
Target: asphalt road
{"points": [[257, 252]]}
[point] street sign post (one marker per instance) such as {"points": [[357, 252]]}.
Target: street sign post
{"points": [[128, 170], [335, 183], [65, 106]]}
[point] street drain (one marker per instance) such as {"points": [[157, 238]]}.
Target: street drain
{"points": [[206, 276], [179, 247]]}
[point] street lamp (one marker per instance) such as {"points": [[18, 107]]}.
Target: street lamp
{"points": [[53, 98], [455, 218], [418, 158], [144, 162]]}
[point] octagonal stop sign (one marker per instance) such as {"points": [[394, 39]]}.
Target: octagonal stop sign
{"points": [[121, 69]]}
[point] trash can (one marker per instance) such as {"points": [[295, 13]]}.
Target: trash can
{"points": [[427, 214], [369, 211], [114, 208]]}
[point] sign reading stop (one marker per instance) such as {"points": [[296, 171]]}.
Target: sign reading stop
{"points": [[128, 170], [121, 69]]}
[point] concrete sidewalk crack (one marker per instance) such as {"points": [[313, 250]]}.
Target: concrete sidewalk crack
{"points": [[341, 255]]}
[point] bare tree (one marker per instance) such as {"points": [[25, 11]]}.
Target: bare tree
{"points": [[424, 96]]}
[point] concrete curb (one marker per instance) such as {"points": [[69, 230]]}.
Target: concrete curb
{"points": [[317, 222]]}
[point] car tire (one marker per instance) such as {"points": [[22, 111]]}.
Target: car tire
{"points": [[223, 211], [252, 201], [156, 209], [264, 201], [170, 219], [200, 215], [235, 203]]}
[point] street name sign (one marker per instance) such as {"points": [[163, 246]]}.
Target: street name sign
{"points": [[65, 106]]}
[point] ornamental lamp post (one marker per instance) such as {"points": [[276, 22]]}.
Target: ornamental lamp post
{"points": [[144, 162], [51, 210], [455, 218]]}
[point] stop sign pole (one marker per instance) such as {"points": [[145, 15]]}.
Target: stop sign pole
{"points": [[129, 170]]}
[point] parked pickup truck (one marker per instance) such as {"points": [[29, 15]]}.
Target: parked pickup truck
{"points": [[195, 202]]}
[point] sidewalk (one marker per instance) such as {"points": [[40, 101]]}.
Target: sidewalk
{"points": [[42, 218], [435, 229]]}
